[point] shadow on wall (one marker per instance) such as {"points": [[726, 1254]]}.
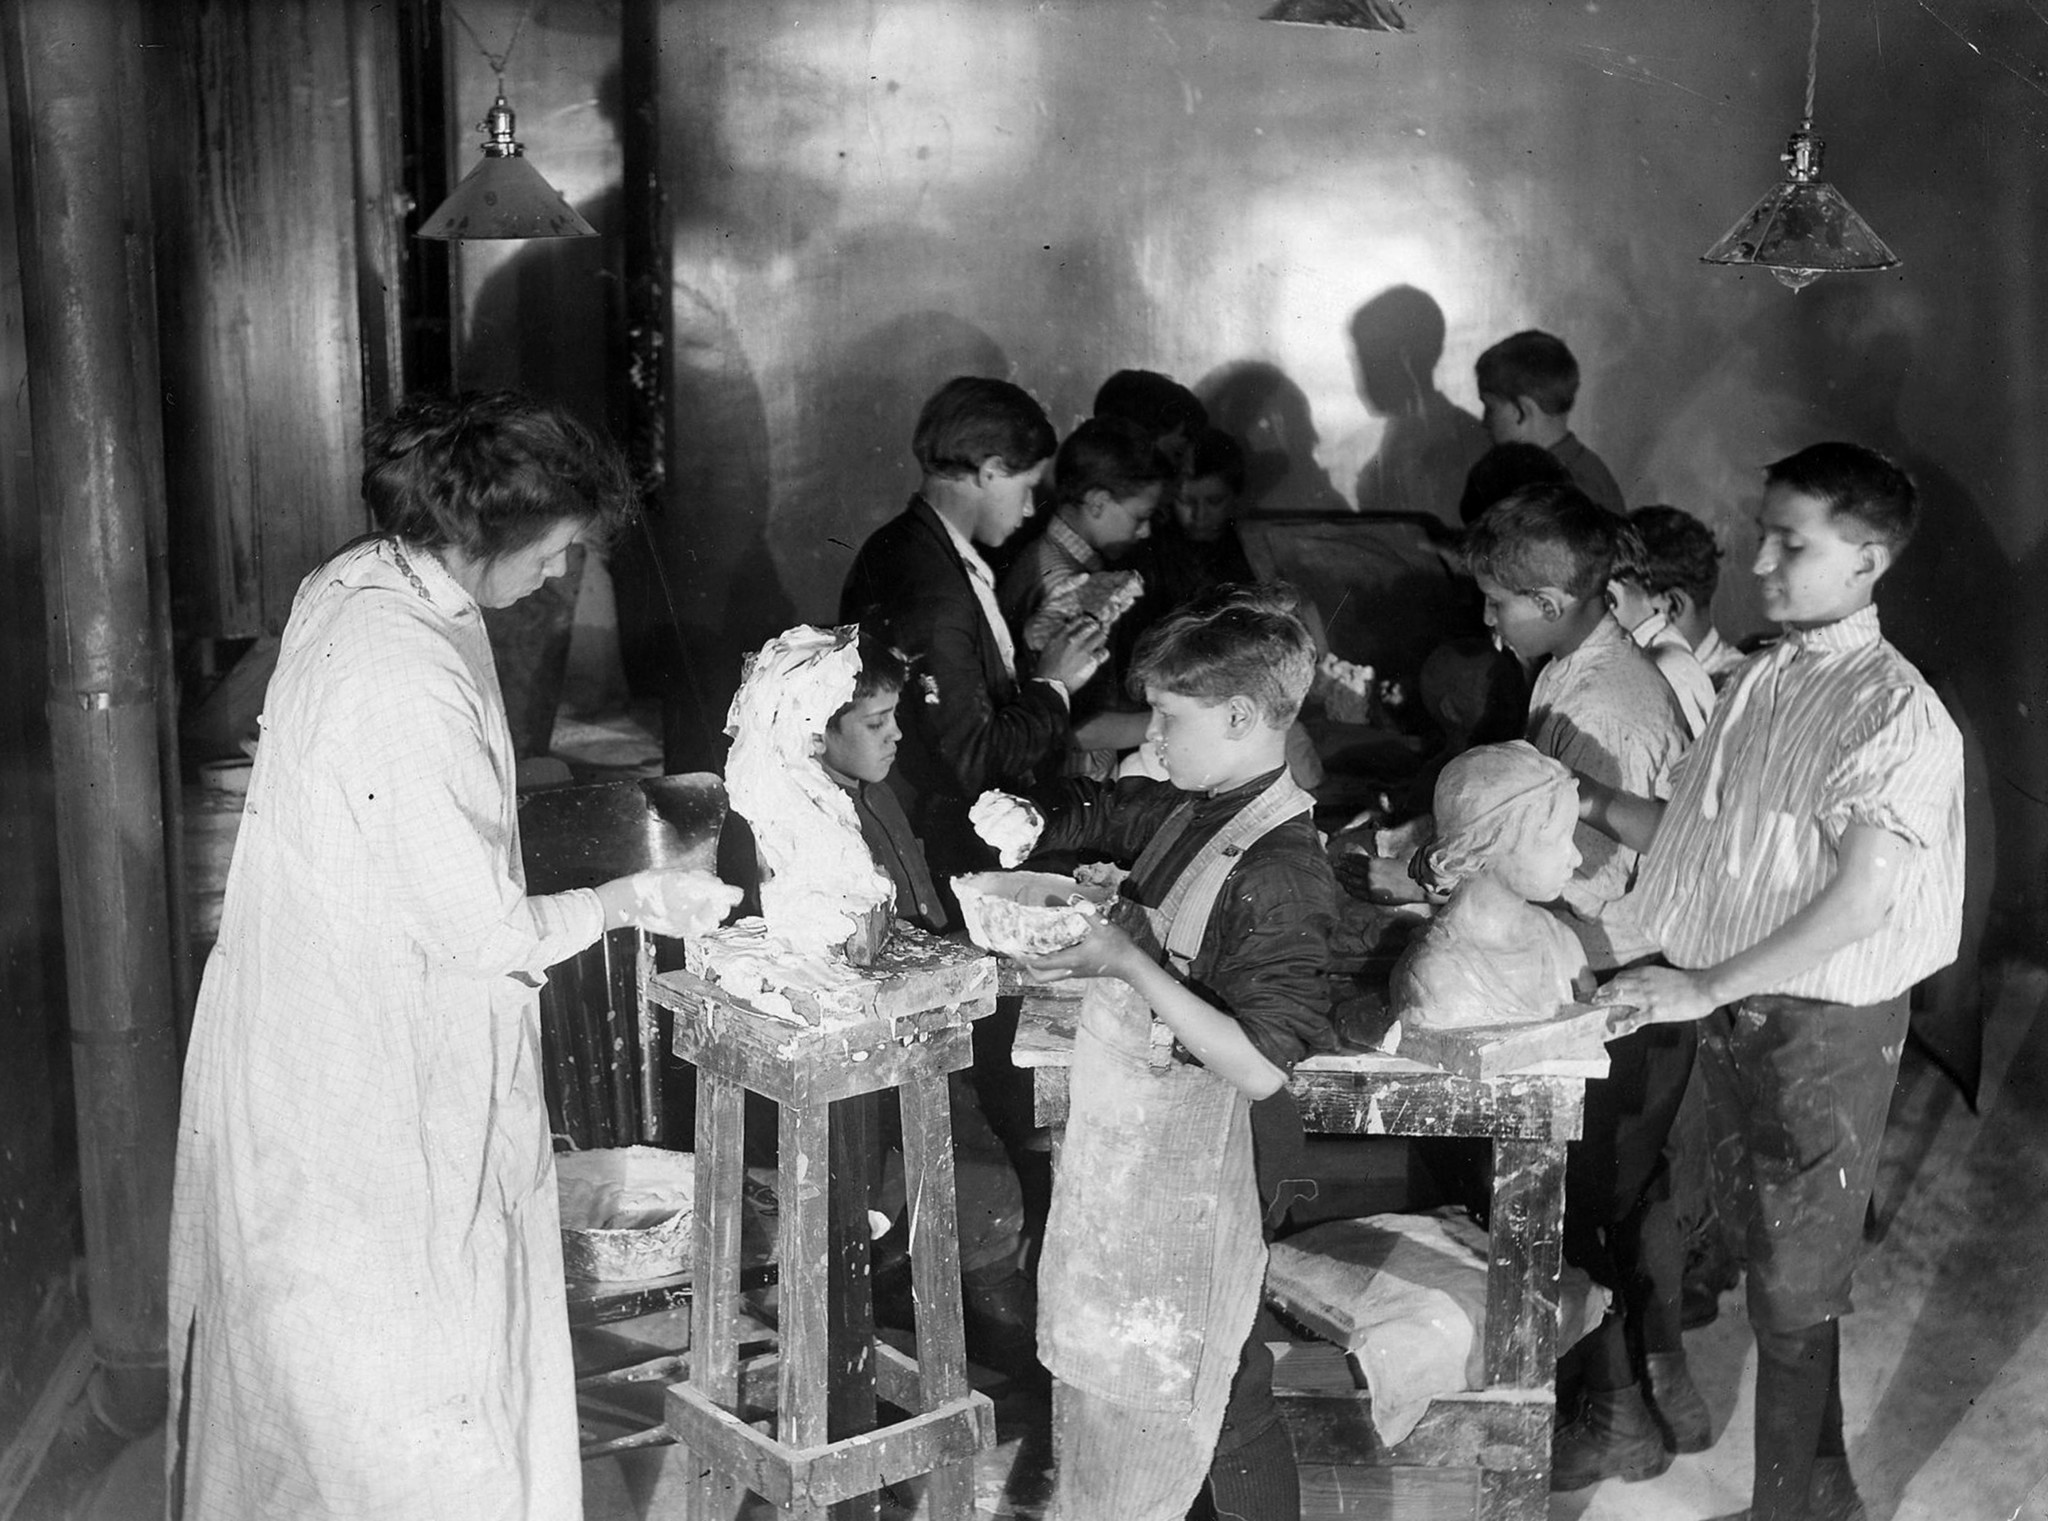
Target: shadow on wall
{"points": [[869, 394], [549, 322], [1262, 407], [1430, 442]]}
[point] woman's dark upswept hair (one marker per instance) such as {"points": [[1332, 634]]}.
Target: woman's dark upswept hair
{"points": [[490, 472]]}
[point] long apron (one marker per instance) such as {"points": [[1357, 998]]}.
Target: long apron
{"points": [[1153, 1259]]}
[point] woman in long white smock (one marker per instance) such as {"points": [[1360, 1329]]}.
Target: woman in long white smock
{"points": [[367, 1313]]}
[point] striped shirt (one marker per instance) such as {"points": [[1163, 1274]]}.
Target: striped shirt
{"points": [[1827, 728], [1605, 713]]}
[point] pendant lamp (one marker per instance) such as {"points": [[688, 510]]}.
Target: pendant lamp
{"points": [[504, 196], [1359, 15], [1803, 229]]}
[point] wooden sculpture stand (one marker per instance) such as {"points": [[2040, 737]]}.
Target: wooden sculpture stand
{"points": [[912, 1027], [1500, 1435]]}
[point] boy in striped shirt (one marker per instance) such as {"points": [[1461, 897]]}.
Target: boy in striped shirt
{"points": [[1806, 872]]}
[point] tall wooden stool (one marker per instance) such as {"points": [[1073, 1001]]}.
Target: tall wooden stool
{"points": [[902, 1024]]}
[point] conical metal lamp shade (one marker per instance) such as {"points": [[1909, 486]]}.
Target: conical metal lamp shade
{"points": [[1803, 229], [504, 196], [1359, 15]]}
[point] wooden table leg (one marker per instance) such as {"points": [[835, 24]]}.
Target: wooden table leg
{"points": [[803, 1311], [935, 1274], [715, 1272], [855, 1146], [1526, 1250]]}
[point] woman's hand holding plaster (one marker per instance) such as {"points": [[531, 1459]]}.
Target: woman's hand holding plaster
{"points": [[668, 902]]}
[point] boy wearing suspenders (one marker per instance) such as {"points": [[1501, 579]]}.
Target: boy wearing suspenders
{"points": [[1155, 1250]]}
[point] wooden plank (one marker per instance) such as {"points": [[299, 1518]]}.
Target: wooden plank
{"points": [[935, 1275], [897, 1379], [801, 1064], [1578, 1036], [797, 1479], [939, 1442], [1340, 1492], [1416, 1102], [262, 343], [566, 1114], [619, 1017], [803, 1184], [914, 972], [934, 1238], [715, 1262], [855, 1152], [1525, 1252], [1490, 1429], [1513, 1496], [652, 1054], [23, 1456]]}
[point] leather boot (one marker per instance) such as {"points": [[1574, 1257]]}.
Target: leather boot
{"points": [[1682, 1416], [1615, 1437]]}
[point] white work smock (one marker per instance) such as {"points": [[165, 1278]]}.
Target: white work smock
{"points": [[366, 1301]]}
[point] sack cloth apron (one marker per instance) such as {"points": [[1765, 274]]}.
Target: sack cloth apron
{"points": [[1153, 1259]]}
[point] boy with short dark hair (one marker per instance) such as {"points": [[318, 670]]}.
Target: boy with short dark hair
{"points": [[1664, 584], [1171, 415], [1543, 557], [1527, 384], [858, 749], [1666, 565], [983, 446], [1806, 872], [1154, 1254], [1196, 546]]}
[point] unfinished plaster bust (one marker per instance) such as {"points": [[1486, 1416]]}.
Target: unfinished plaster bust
{"points": [[1504, 820], [820, 887]]}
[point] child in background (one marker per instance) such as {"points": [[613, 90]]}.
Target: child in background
{"points": [[1527, 384], [1171, 415], [1503, 470], [1804, 875], [1543, 558], [858, 749], [1154, 1255], [1195, 547], [1107, 482], [1663, 590]]}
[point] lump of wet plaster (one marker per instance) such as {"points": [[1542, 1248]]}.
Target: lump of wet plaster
{"points": [[821, 890]]}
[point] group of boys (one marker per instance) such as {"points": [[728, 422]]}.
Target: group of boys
{"points": [[1774, 868]]}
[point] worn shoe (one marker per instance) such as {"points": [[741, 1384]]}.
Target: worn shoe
{"points": [[1831, 1495], [1682, 1416], [1615, 1437]]}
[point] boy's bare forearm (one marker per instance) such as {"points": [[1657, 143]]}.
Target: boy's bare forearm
{"points": [[1622, 816], [1853, 906], [1216, 1040]]}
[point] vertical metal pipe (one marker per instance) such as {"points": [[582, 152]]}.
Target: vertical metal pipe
{"points": [[81, 183]]}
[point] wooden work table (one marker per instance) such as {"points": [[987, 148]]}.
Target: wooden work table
{"points": [[1502, 1433]]}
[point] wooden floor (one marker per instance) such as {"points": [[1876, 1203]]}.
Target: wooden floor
{"points": [[1945, 1363]]}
